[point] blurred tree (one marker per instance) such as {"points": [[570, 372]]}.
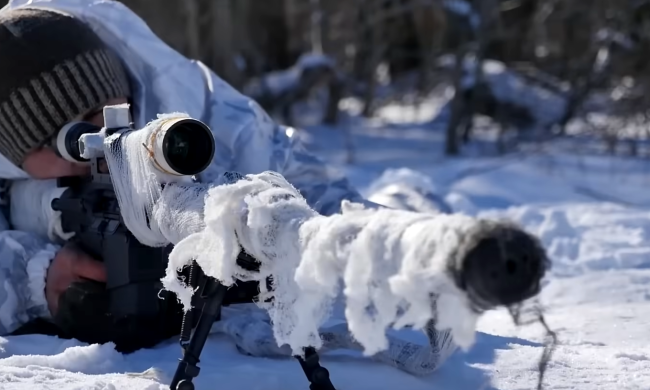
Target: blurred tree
{"points": [[567, 46]]}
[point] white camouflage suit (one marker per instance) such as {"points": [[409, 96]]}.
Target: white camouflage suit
{"points": [[162, 81]]}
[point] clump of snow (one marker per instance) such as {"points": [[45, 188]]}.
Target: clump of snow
{"points": [[90, 360], [463, 8], [278, 82], [312, 60], [459, 203], [546, 106], [403, 176], [606, 35], [460, 7], [406, 189], [389, 263]]}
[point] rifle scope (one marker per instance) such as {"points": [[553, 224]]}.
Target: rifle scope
{"points": [[181, 146]]}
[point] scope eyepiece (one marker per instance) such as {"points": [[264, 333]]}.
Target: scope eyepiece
{"points": [[67, 141], [184, 146]]}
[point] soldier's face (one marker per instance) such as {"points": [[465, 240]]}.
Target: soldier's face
{"points": [[44, 163]]}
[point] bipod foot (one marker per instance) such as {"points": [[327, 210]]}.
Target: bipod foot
{"points": [[317, 375]]}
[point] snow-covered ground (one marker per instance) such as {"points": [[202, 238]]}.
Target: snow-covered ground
{"points": [[592, 214]]}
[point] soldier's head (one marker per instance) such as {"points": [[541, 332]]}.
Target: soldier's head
{"points": [[54, 70]]}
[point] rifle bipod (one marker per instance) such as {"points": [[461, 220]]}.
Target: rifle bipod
{"points": [[211, 294]]}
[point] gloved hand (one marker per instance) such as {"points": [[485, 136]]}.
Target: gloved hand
{"points": [[70, 265], [79, 303], [83, 314]]}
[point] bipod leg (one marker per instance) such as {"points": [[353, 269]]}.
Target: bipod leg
{"points": [[212, 295], [318, 376]]}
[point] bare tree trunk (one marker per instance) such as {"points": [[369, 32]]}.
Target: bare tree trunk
{"points": [[430, 24], [488, 12], [350, 155], [223, 53], [295, 25], [457, 105], [585, 81], [377, 51], [192, 28], [460, 112], [335, 94], [633, 147], [242, 41], [316, 33]]}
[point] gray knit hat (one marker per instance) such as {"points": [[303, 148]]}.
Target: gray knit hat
{"points": [[53, 68]]}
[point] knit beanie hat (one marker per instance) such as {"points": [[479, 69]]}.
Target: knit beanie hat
{"points": [[53, 68]]}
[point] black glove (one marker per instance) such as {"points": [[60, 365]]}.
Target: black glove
{"points": [[83, 315]]}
